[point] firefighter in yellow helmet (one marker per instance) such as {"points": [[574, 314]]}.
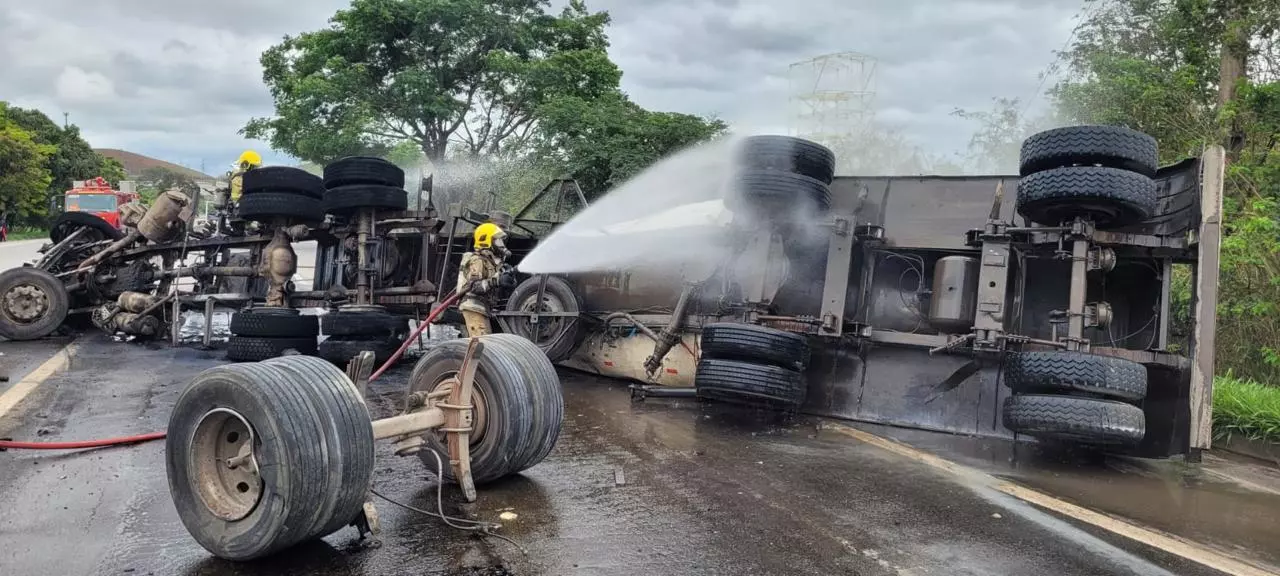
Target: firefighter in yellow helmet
{"points": [[248, 161], [479, 276]]}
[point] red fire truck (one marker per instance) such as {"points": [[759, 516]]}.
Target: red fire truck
{"points": [[96, 196]]}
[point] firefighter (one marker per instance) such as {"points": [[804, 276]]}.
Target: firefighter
{"points": [[479, 276], [248, 161]]}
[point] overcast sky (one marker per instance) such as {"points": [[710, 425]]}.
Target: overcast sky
{"points": [[176, 79]]}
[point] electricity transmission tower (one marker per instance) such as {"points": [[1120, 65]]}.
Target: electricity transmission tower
{"points": [[832, 102]]}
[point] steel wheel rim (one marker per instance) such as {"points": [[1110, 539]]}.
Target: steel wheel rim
{"points": [[546, 331], [225, 469], [479, 407], [25, 303]]}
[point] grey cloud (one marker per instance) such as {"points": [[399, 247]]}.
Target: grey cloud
{"points": [[185, 73]]}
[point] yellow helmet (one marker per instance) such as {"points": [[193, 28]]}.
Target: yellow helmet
{"points": [[249, 157], [485, 235]]}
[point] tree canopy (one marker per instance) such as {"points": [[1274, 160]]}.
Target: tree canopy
{"points": [[433, 72], [23, 176], [72, 158], [1193, 73]]}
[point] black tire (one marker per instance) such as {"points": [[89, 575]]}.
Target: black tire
{"points": [[780, 196], [348, 426], [747, 383], [313, 446], [1110, 146], [363, 170], [794, 155], [363, 325], [69, 222], [264, 206], [1049, 372], [1111, 197], [256, 349], [756, 344], [268, 325], [340, 352], [1080, 420], [522, 403], [557, 337], [282, 179], [347, 198], [42, 299]]}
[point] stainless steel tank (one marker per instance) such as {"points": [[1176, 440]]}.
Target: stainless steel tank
{"points": [[955, 294]]}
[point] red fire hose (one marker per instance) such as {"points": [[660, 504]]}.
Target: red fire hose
{"points": [[15, 445]]}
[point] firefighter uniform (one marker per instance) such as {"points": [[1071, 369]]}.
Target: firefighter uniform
{"points": [[247, 161], [479, 276]]}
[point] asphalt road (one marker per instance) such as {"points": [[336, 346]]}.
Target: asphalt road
{"points": [[653, 488]]}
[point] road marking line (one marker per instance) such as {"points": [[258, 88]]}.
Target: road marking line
{"points": [[1175, 545], [61, 360]]}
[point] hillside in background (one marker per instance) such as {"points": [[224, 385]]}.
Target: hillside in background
{"points": [[135, 164]]}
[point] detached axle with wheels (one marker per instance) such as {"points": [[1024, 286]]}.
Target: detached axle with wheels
{"points": [[263, 456]]}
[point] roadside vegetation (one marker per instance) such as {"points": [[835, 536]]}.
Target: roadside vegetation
{"points": [[1245, 408], [38, 162], [27, 233]]}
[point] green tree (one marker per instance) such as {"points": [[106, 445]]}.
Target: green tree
{"points": [[604, 141], [157, 179], [23, 176], [1192, 73], [470, 72], [72, 159]]}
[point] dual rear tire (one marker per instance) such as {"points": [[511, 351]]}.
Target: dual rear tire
{"points": [[264, 456], [1075, 397], [752, 365]]}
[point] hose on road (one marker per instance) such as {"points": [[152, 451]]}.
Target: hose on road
{"points": [[122, 440], [15, 445]]}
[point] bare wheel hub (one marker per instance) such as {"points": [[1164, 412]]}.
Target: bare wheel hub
{"points": [[479, 412], [226, 472], [26, 303]]}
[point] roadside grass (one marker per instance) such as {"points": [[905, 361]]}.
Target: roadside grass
{"points": [[1245, 408], [27, 233]]}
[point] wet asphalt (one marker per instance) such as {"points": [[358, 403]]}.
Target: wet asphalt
{"points": [[651, 488]]}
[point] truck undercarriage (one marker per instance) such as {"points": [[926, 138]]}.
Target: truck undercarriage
{"points": [[956, 304]]}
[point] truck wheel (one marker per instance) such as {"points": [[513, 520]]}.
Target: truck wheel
{"points": [[257, 349], [345, 199], [757, 344], [746, 383], [1111, 197], [284, 179], [557, 337], [780, 196], [1081, 420], [365, 325], [518, 405], [33, 303], [794, 155], [1110, 146], [340, 352], [300, 446], [264, 206], [68, 222], [363, 170], [268, 323], [1103, 376]]}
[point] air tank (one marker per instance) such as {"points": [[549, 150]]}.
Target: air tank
{"points": [[161, 222], [955, 294]]}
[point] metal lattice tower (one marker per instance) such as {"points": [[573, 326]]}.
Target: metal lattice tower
{"points": [[832, 99]]}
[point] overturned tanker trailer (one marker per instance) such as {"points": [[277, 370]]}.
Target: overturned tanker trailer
{"points": [[1037, 305]]}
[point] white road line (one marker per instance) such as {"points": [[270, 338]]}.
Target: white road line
{"points": [[16, 393], [1175, 545]]}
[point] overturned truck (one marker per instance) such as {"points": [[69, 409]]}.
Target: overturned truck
{"points": [[1038, 305]]}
